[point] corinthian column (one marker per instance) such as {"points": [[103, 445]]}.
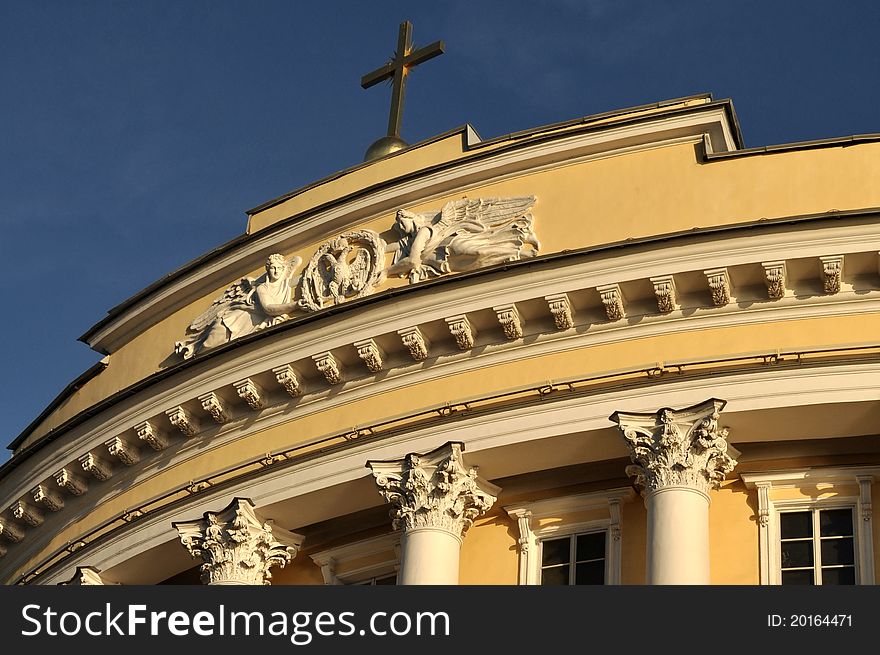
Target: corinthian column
{"points": [[435, 499], [679, 456], [237, 546]]}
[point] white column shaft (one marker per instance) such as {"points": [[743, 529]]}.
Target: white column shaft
{"points": [[430, 556], [678, 537]]}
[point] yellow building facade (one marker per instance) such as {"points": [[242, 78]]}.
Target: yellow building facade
{"points": [[619, 350]]}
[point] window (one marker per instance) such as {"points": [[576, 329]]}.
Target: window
{"points": [[817, 547], [379, 580], [575, 560], [571, 540], [369, 562], [815, 526]]}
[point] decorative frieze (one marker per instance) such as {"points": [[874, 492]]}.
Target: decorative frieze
{"points": [[664, 290], [719, 285], [415, 342], [560, 308], [96, 467], [286, 376], [832, 273], [249, 392], [511, 321], [212, 404], [369, 352], [147, 433], [677, 447], [10, 532], [774, 278], [463, 235], [27, 514], [71, 482], [123, 451], [434, 490], [612, 300], [461, 329], [237, 546], [327, 364], [46, 497]]}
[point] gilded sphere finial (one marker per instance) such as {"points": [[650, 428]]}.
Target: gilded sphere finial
{"points": [[384, 146]]}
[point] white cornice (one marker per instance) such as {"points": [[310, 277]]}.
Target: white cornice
{"points": [[584, 416]]}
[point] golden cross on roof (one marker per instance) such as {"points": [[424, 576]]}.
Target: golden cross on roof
{"points": [[396, 70]]}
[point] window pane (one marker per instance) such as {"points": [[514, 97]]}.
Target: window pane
{"points": [[388, 579], [590, 573], [846, 575], [556, 575], [833, 522], [590, 546], [797, 577], [797, 553], [837, 551], [796, 524], [556, 551]]}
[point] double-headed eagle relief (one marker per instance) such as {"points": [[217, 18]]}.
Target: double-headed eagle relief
{"points": [[464, 235], [344, 268]]}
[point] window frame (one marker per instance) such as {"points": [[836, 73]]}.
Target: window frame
{"points": [[531, 538], [769, 537]]}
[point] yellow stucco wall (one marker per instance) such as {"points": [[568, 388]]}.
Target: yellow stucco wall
{"points": [[649, 192], [733, 536]]}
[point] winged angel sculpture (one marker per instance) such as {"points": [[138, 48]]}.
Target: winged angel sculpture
{"points": [[245, 306], [464, 235]]}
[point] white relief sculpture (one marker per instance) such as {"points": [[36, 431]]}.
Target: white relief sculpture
{"points": [[719, 285], [46, 497], [677, 447], [123, 451], [832, 273], [560, 308], [326, 363], [85, 576], [612, 299], [461, 329], [774, 278], [664, 290], [245, 307], [249, 392], [10, 532], [147, 433], [370, 353], [286, 376], [237, 546], [27, 514], [415, 342], [71, 482], [346, 267], [433, 490], [97, 467], [463, 236], [212, 404]]}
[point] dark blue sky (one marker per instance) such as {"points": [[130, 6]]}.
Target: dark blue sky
{"points": [[136, 134]]}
